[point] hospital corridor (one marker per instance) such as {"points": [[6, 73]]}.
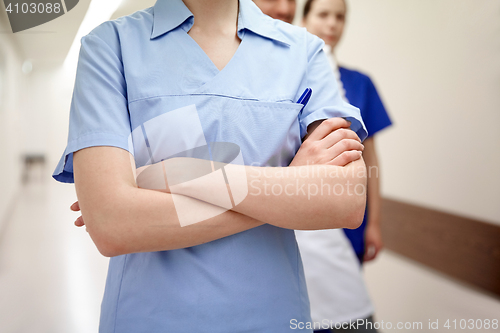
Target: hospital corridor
{"points": [[431, 263]]}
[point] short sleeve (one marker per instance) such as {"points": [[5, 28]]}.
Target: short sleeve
{"points": [[326, 101], [374, 113], [99, 113]]}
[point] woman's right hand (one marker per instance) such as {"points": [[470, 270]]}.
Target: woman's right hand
{"points": [[331, 142]]}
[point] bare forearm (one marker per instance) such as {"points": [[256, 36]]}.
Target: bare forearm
{"points": [[298, 197], [307, 197], [145, 221]]}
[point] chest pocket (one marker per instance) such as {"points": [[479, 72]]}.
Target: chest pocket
{"points": [[268, 133]]}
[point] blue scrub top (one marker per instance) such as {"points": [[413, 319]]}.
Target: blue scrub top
{"points": [[141, 66], [360, 92]]}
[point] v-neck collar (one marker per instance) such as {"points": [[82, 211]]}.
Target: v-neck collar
{"points": [[202, 54], [206, 72]]}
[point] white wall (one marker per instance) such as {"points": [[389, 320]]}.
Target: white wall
{"points": [[60, 91], [48, 111], [436, 64], [10, 123], [34, 113]]}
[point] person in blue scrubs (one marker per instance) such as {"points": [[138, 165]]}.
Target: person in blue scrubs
{"points": [[326, 19], [239, 271]]}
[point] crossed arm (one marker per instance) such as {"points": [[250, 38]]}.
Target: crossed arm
{"points": [[123, 218]]}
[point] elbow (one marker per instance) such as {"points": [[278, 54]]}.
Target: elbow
{"points": [[348, 213], [357, 203], [105, 245], [106, 225], [107, 250], [106, 238], [346, 207], [357, 213], [356, 199]]}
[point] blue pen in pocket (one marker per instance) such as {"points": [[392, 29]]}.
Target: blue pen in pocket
{"points": [[304, 98]]}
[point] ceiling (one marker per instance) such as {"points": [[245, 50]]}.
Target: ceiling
{"points": [[49, 43]]}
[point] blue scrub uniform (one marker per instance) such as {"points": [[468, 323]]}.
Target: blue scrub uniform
{"points": [[360, 92], [141, 66]]}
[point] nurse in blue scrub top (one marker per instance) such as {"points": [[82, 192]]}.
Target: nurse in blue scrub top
{"points": [[326, 19], [199, 246]]}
